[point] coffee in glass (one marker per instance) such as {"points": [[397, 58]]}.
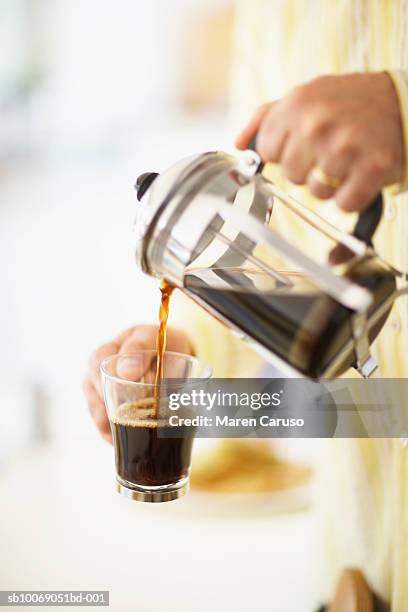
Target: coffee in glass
{"points": [[152, 457]]}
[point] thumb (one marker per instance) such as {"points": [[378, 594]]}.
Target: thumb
{"points": [[252, 127], [134, 364]]}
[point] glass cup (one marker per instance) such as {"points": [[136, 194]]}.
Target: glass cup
{"points": [[152, 457]]}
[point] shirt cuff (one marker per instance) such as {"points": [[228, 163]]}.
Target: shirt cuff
{"points": [[400, 80]]}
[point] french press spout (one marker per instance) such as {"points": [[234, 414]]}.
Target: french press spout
{"points": [[215, 227]]}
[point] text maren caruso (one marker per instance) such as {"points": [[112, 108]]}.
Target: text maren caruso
{"points": [[226, 421]]}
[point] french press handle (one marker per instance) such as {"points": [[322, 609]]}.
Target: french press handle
{"points": [[367, 221]]}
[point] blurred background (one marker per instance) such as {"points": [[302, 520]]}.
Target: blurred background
{"points": [[93, 93]]}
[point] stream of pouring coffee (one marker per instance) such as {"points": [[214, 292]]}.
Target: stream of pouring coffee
{"points": [[166, 291]]}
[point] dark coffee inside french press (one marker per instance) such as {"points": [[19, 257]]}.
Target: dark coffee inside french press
{"points": [[304, 326]]}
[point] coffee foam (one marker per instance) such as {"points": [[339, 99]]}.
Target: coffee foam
{"points": [[141, 413]]}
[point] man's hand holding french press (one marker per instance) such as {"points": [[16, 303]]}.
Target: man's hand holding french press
{"points": [[340, 135]]}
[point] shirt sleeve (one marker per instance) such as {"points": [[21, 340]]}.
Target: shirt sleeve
{"points": [[400, 80]]}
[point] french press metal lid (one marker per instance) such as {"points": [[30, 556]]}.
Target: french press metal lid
{"points": [[214, 226]]}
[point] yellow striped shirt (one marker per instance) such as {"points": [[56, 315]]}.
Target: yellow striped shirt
{"points": [[280, 44]]}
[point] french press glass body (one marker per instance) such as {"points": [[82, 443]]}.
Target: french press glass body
{"points": [[216, 228]]}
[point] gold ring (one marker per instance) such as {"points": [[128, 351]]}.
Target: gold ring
{"points": [[325, 179]]}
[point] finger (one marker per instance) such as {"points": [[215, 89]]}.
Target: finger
{"points": [[359, 189], [106, 350], [249, 132], [273, 134], [124, 335], [297, 159], [336, 168], [176, 368], [143, 337], [319, 189], [177, 340], [340, 254], [134, 367], [97, 410]]}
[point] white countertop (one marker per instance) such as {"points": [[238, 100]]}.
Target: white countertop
{"points": [[62, 526]]}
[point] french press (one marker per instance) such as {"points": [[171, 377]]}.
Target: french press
{"points": [[216, 228]]}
